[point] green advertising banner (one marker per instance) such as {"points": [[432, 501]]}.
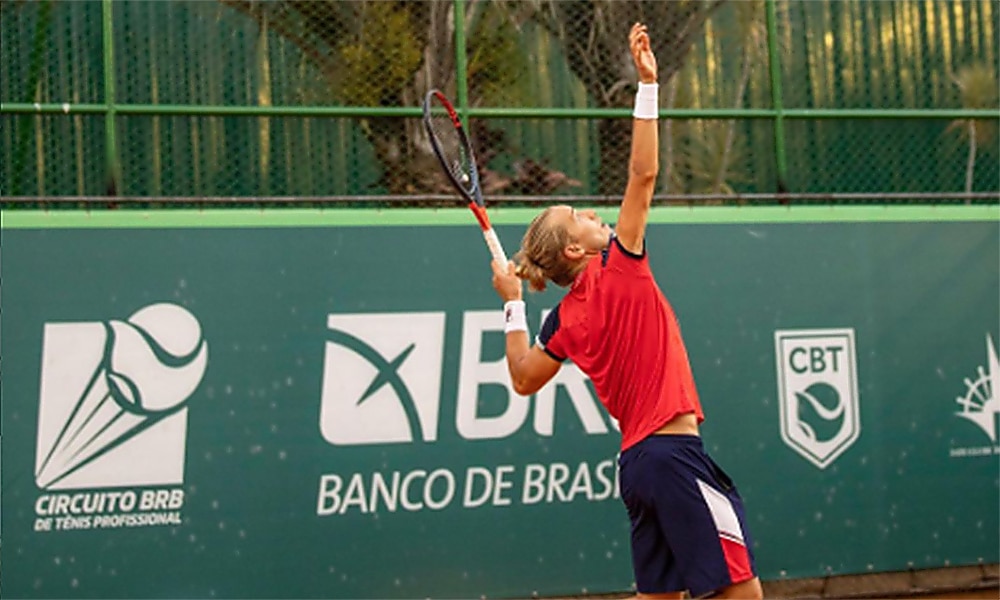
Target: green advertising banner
{"points": [[314, 404]]}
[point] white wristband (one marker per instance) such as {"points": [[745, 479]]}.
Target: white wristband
{"points": [[647, 101], [513, 316]]}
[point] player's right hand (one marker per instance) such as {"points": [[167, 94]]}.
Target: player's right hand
{"points": [[505, 282]]}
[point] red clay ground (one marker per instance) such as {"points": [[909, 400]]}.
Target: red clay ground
{"points": [[955, 583]]}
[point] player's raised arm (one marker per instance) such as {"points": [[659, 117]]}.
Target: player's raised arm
{"points": [[644, 161]]}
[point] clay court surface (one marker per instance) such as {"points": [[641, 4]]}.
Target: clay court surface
{"points": [[978, 581], [990, 593], [985, 593], [955, 583]]}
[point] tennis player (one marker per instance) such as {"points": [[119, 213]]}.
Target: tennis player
{"points": [[689, 530]]}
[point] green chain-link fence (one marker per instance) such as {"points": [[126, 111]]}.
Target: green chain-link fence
{"points": [[241, 98]]}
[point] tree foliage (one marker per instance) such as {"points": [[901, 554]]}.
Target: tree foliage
{"points": [[593, 34], [388, 53]]}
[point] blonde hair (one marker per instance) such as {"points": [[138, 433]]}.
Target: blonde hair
{"points": [[541, 256]]}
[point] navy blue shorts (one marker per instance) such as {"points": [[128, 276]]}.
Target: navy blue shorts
{"points": [[688, 525]]}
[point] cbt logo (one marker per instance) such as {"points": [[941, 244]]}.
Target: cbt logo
{"points": [[382, 382], [112, 401], [818, 392]]}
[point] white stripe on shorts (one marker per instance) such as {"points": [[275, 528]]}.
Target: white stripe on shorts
{"points": [[722, 513]]}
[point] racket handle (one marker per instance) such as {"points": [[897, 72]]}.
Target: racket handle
{"points": [[494, 244]]}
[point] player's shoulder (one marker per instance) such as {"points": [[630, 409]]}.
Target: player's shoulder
{"points": [[551, 322], [552, 337], [618, 261], [616, 248], [567, 313], [625, 277]]}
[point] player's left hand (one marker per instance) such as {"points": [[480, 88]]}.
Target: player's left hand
{"points": [[642, 53]]}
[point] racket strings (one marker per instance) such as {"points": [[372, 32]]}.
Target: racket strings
{"points": [[454, 153]]}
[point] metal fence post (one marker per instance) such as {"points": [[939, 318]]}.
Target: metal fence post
{"points": [[111, 143], [461, 79], [774, 63]]}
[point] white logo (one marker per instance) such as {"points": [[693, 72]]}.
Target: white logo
{"points": [[383, 375], [980, 403], [818, 392], [111, 406], [382, 378]]}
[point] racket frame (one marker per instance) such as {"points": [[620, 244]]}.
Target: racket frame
{"points": [[474, 193]]}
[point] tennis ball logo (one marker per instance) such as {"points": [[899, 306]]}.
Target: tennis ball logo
{"points": [[150, 365], [155, 360], [821, 412]]}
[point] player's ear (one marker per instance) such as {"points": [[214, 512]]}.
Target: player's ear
{"points": [[574, 251]]}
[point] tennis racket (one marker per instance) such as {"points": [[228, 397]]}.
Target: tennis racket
{"points": [[453, 149]]}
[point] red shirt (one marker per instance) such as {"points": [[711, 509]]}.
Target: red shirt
{"points": [[618, 327]]}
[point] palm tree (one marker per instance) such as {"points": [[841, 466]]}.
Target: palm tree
{"points": [[709, 149], [977, 85], [751, 29], [375, 53], [32, 93], [592, 34]]}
